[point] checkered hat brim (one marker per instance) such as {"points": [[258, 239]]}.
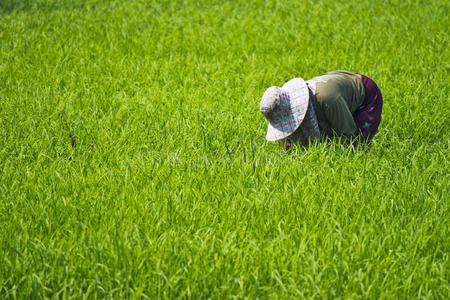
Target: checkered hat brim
{"points": [[285, 108]]}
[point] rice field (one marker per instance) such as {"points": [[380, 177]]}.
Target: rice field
{"points": [[133, 159]]}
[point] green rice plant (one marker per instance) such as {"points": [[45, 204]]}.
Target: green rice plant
{"points": [[133, 162]]}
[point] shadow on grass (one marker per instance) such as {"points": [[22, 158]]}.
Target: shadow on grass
{"points": [[11, 6]]}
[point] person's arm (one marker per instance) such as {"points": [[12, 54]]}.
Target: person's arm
{"points": [[339, 116]]}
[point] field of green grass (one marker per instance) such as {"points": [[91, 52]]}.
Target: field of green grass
{"points": [[133, 160]]}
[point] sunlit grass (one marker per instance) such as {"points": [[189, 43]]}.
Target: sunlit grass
{"points": [[133, 161]]}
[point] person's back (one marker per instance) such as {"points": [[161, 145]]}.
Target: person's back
{"points": [[339, 94]]}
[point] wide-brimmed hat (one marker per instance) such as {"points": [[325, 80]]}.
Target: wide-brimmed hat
{"points": [[285, 108]]}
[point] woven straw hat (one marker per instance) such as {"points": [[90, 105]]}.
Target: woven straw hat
{"points": [[285, 108]]}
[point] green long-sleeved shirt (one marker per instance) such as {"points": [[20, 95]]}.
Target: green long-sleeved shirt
{"points": [[339, 94]]}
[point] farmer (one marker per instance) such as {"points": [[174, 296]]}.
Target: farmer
{"points": [[338, 103]]}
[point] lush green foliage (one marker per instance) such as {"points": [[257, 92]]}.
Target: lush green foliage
{"points": [[167, 188]]}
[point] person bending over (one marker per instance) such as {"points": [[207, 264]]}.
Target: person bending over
{"points": [[337, 103]]}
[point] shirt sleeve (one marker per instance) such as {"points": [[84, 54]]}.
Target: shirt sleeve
{"points": [[339, 116]]}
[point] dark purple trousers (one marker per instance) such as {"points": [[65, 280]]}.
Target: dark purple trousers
{"points": [[368, 115]]}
